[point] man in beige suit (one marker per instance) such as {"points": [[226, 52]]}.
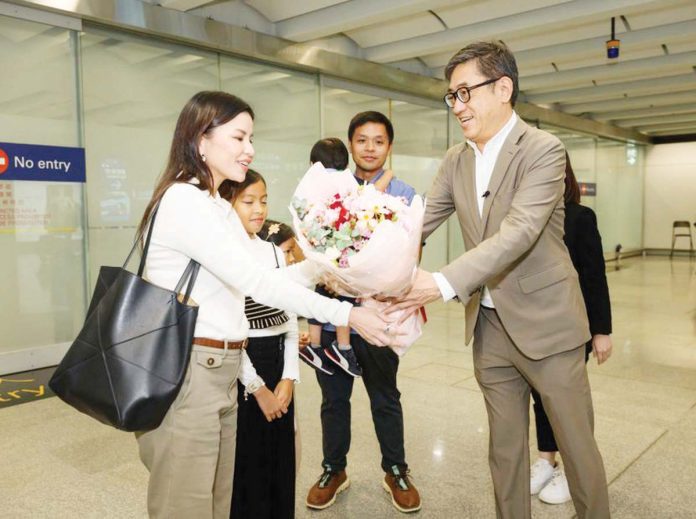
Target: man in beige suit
{"points": [[524, 307]]}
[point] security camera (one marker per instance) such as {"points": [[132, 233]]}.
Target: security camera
{"points": [[613, 48]]}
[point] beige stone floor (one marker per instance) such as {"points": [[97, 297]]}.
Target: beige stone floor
{"points": [[55, 463]]}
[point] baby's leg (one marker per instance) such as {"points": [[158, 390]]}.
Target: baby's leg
{"points": [[315, 335], [343, 337]]}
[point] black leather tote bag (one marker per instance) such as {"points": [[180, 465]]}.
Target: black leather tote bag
{"points": [[128, 363]]}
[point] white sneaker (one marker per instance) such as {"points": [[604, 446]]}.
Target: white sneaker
{"points": [[541, 473], [557, 491]]}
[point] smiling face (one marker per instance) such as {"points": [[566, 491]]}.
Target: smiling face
{"points": [[370, 148], [252, 207], [228, 149], [489, 107]]}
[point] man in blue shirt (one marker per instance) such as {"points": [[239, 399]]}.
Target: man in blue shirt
{"points": [[370, 135]]}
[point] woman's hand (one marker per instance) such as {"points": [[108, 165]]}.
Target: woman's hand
{"points": [[270, 406], [371, 325], [601, 347], [283, 391]]}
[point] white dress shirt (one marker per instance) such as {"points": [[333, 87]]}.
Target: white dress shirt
{"points": [[485, 163], [191, 224]]}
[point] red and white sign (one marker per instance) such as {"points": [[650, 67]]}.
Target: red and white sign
{"points": [[4, 161]]}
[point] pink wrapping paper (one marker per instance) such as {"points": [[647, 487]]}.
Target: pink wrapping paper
{"points": [[384, 267]]}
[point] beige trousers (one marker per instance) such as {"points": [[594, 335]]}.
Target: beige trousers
{"points": [[190, 456], [505, 375]]}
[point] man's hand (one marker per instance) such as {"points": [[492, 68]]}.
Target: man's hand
{"points": [[423, 291], [270, 406], [601, 347], [283, 391]]}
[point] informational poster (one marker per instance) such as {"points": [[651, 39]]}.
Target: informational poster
{"points": [[23, 212], [588, 188], [48, 207]]}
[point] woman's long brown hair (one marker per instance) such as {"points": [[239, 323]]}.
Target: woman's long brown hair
{"points": [[204, 112], [572, 189]]}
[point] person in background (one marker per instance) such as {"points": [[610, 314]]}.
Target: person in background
{"points": [[585, 247], [370, 135], [190, 456]]}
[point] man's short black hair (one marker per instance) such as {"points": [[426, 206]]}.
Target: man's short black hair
{"points": [[370, 117], [331, 152]]}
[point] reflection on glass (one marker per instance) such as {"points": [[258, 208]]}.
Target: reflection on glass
{"points": [[617, 169], [41, 237], [420, 144], [134, 89], [286, 125]]}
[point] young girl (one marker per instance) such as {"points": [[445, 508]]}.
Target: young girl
{"points": [[264, 472], [190, 456], [283, 236]]}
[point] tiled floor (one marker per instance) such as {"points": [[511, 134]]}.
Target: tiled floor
{"points": [[56, 463]]}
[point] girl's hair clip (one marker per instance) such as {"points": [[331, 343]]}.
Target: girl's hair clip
{"points": [[273, 229]]}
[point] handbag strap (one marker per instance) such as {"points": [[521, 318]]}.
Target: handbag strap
{"points": [[190, 273], [150, 225], [275, 255]]}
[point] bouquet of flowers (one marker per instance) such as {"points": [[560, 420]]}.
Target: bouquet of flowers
{"points": [[365, 242]]}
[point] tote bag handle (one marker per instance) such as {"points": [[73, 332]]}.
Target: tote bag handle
{"points": [[190, 272]]}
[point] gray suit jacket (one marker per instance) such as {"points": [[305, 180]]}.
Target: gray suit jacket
{"points": [[516, 248]]}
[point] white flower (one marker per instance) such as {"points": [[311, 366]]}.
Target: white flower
{"points": [[329, 217]]}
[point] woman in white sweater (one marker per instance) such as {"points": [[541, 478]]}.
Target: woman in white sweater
{"points": [[190, 456]]}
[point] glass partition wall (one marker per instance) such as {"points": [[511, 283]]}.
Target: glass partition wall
{"points": [[286, 105], [119, 94], [42, 272], [133, 91], [616, 170]]}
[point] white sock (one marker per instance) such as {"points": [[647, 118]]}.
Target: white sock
{"points": [[344, 347]]}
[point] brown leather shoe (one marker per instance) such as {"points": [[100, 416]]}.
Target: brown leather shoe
{"points": [[405, 496], [323, 493]]}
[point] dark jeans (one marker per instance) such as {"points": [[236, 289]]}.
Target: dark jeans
{"points": [[319, 289], [546, 441], [379, 367]]}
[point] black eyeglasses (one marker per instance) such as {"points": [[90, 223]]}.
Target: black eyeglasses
{"points": [[463, 93]]}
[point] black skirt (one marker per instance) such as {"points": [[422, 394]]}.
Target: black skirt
{"points": [[264, 470]]}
